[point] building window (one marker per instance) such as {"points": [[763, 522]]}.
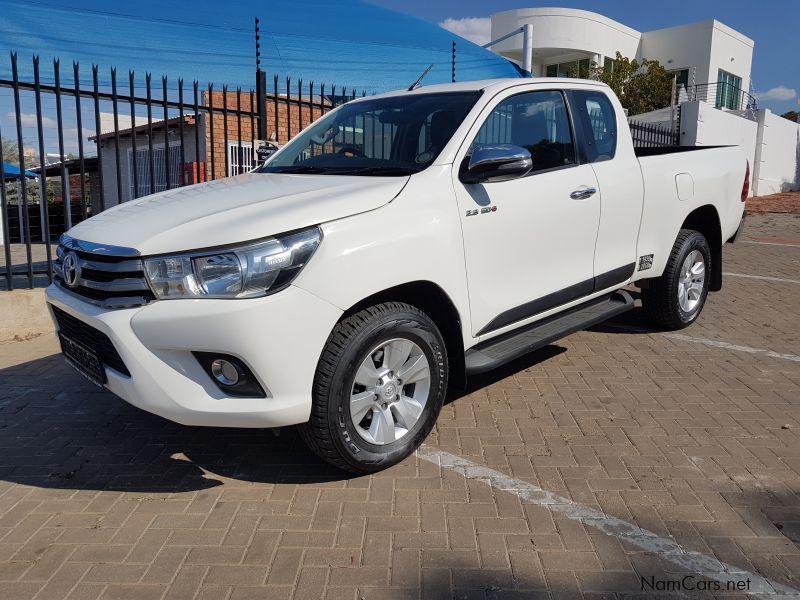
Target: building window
{"points": [[143, 179], [729, 90], [681, 77], [609, 65], [536, 121], [240, 158], [576, 68]]}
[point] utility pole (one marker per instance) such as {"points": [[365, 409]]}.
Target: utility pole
{"points": [[261, 86], [453, 63]]}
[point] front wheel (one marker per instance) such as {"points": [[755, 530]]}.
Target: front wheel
{"points": [[675, 299], [379, 387]]}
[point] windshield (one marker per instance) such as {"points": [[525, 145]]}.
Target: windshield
{"points": [[398, 135]]}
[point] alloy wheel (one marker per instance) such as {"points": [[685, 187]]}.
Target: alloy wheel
{"points": [[390, 391]]}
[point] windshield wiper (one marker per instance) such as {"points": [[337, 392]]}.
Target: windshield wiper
{"points": [[378, 171], [299, 170]]}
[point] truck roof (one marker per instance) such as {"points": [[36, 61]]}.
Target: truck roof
{"points": [[490, 84]]}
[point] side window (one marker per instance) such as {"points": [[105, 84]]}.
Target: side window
{"points": [[537, 121], [599, 124]]}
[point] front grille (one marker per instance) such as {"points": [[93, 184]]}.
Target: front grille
{"points": [[91, 338], [106, 280]]}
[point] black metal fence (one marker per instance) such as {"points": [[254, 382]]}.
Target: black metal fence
{"points": [[653, 135], [80, 146]]}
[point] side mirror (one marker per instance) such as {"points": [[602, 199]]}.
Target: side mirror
{"points": [[499, 162]]}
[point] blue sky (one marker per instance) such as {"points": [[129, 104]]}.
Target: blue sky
{"points": [[343, 42], [773, 25], [359, 43]]}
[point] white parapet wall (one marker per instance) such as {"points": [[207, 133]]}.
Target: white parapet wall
{"points": [[778, 147], [771, 143], [704, 125]]}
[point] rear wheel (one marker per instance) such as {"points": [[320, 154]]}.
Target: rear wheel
{"points": [[379, 387], [675, 299]]}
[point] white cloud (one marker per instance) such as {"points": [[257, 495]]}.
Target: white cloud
{"points": [[777, 94], [475, 29], [29, 120]]}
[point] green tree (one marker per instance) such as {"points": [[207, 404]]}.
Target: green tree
{"points": [[641, 86], [10, 152], [791, 115]]}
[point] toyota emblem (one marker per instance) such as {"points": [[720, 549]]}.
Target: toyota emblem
{"points": [[72, 269]]}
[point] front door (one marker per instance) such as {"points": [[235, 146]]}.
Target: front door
{"points": [[529, 242]]}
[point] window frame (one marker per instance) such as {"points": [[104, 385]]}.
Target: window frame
{"points": [[729, 93], [577, 63], [492, 107], [145, 179], [246, 147], [573, 96]]}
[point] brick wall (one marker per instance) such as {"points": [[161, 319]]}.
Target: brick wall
{"points": [[291, 120]]}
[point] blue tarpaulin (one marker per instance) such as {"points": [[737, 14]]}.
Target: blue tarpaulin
{"points": [[347, 42], [12, 172]]}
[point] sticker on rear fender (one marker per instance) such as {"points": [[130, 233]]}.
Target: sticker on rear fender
{"points": [[645, 262]]}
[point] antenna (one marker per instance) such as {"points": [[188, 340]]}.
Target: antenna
{"points": [[418, 82]]}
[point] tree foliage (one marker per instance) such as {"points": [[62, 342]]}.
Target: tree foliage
{"points": [[791, 115], [10, 152], [641, 86]]}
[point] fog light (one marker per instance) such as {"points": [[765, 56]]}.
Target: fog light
{"points": [[230, 374], [225, 372]]}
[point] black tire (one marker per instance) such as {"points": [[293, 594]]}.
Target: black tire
{"points": [[330, 432], [660, 298]]}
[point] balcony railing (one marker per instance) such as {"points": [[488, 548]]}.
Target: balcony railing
{"points": [[722, 95]]}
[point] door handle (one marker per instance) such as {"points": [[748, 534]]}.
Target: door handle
{"points": [[583, 193]]}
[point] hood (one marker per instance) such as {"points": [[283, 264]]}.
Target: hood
{"points": [[234, 210]]}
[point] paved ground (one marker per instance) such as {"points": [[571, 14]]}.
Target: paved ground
{"points": [[614, 455], [786, 202]]}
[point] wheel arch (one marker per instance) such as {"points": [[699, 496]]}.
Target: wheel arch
{"points": [[433, 301], [705, 220]]}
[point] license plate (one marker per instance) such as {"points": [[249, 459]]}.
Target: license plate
{"points": [[83, 359]]}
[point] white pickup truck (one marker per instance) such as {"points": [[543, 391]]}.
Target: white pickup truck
{"points": [[397, 245]]}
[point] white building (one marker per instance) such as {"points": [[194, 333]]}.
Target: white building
{"points": [[711, 61], [566, 41]]}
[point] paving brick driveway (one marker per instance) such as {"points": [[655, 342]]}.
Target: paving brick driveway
{"points": [[695, 438]]}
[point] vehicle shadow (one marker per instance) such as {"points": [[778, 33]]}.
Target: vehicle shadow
{"points": [[633, 321], [518, 365], [59, 431]]}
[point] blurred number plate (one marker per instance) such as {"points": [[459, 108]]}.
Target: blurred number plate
{"points": [[83, 359]]}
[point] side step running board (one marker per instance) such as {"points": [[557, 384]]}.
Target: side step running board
{"points": [[502, 349]]}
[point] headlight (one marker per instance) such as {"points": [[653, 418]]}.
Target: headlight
{"points": [[246, 271]]}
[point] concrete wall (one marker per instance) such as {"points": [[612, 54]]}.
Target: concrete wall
{"points": [[561, 32], [707, 46], [23, 314], [731, 52], [771, 143], [683, 47], [778, 145], [704, 125]]}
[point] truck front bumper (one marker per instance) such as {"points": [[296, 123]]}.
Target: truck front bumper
{"points": [[280, 337]]}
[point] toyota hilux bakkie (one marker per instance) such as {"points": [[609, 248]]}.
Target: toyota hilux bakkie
{"points": [[399, 244]]}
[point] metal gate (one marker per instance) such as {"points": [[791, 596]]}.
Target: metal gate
{"points": [[81, 143]]}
